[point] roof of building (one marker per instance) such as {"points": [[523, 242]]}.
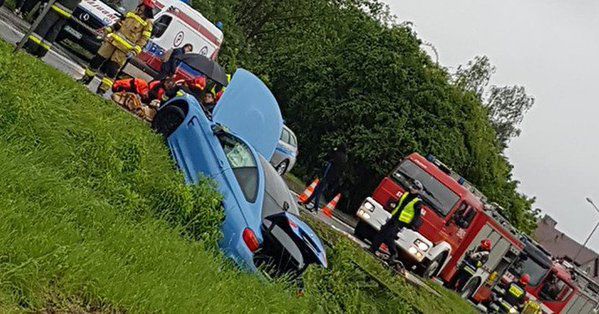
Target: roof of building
{"points": [[562, 246]]}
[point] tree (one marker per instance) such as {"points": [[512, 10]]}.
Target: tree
{"points": [[506, 104]]}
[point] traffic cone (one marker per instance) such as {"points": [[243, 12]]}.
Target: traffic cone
{"points": [[303, 198], [328, 210]]}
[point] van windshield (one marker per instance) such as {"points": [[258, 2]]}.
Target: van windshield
{"points": [[435, 194]]}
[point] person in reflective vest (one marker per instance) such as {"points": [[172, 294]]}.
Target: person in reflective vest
{"points": [[405, 214], [218, 90], [122, 41], [44, 35], [515, 293]]}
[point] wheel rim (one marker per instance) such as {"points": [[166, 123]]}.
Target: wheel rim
{"points": [[432, 269], [281, 168]]}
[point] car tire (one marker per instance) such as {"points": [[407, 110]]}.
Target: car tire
{"points": [[167, 120], [282, 167], [432, 268], [364, 231]]}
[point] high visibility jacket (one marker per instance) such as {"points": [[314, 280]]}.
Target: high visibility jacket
{"points": [[218, 92], [514, 294], [132, 33], [133, 85], [407, 210]]}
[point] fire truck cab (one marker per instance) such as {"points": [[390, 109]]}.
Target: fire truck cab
{"points": [[455, 218]]}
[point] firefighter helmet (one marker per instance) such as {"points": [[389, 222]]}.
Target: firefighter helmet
{"points": [[150, 4], [525, 279], [486, 245]]}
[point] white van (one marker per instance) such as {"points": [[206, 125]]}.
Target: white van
{"points": [[174, 26]]}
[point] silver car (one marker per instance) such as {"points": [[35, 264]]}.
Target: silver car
{"points": [[286, 153]]}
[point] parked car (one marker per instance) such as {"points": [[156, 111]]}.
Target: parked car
{"points": [[286, 153], [232, 147]]}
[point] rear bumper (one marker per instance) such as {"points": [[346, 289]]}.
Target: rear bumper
{"points": [[413, 244]]}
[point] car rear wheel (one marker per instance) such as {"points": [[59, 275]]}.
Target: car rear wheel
{"points": [[282, 167], [167, 120]]}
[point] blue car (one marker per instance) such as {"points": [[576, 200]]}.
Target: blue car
{"points": [[232, 146]]}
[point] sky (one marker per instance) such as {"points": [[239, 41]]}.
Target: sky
{"points": [[550, 47]]}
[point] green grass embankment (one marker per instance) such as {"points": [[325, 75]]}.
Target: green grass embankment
{"points": [[94, 216]]}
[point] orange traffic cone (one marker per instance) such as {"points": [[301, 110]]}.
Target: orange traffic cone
{"points": [[328, 210], [303, 198]]}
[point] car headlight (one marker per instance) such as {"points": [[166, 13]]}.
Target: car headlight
{"points": [[369, 206], [364, 214], [421, 245]]}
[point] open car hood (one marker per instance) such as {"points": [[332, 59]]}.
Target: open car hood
{"points": [[288, 237], [250, 110]]}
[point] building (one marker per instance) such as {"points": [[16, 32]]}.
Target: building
{"points": [[563, 247]]}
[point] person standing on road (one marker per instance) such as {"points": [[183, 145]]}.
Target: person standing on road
{"points": [[405, 214], [24, 7], [332, 173], [169, 64], [124, 40], [46, 32], [515, 292]]}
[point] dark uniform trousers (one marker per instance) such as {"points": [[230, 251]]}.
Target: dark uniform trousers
{"points": [[44, 35]]}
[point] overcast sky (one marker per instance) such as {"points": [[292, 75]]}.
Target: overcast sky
{"points": [[551, 47]]}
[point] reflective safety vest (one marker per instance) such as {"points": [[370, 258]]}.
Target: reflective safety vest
{"points": [[407, 210]]}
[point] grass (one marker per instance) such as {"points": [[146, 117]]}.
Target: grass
{"points": [[96, 218], [363, 284]]}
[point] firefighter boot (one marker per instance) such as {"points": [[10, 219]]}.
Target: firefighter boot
{"points": [[104, 86], [88, 76]]}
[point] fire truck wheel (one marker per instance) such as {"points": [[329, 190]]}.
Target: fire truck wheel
{"points": [[433, 267], [468, 289]]}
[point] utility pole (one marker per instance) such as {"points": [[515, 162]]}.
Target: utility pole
{"points": [[591, 234]]}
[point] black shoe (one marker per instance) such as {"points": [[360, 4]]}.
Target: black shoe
{"points": [[85, 80]]}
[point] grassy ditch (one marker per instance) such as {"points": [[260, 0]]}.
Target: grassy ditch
{"points": [[96, 218]]}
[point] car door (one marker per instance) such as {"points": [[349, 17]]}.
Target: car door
{"points": [[195, 147]]}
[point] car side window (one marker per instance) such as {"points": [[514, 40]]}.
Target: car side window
{"points": [[243, 164], [160, 25], [293, 140], [284, 136], [464, 215]]}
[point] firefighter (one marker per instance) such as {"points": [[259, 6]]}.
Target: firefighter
{"points": [[44, 35], [515, 293], [124, 40], [218, 90], [473, 260], [405, 214]]}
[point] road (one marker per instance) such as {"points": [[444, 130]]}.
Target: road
{"points": [[12, 30]]}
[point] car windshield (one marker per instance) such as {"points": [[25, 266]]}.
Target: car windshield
{"points": [[435, 194], [243, 165], [531, 267], [277, 197]]}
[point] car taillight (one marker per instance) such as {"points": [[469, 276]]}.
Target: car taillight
{"points": [[249, 237]]}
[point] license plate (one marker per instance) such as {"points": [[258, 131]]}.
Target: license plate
{"points": [[73, 32]]}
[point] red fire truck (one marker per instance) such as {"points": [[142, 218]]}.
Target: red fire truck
{"points": [[455, 218], [559, 287]]}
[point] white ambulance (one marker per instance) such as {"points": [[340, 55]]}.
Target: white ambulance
{"points": [[175, 24]]}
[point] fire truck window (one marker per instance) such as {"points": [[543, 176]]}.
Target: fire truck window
{"points": [[555, 290], [161, 25], [464, 216]]}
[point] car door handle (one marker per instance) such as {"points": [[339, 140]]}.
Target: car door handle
{"points": [[193, 121]]}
